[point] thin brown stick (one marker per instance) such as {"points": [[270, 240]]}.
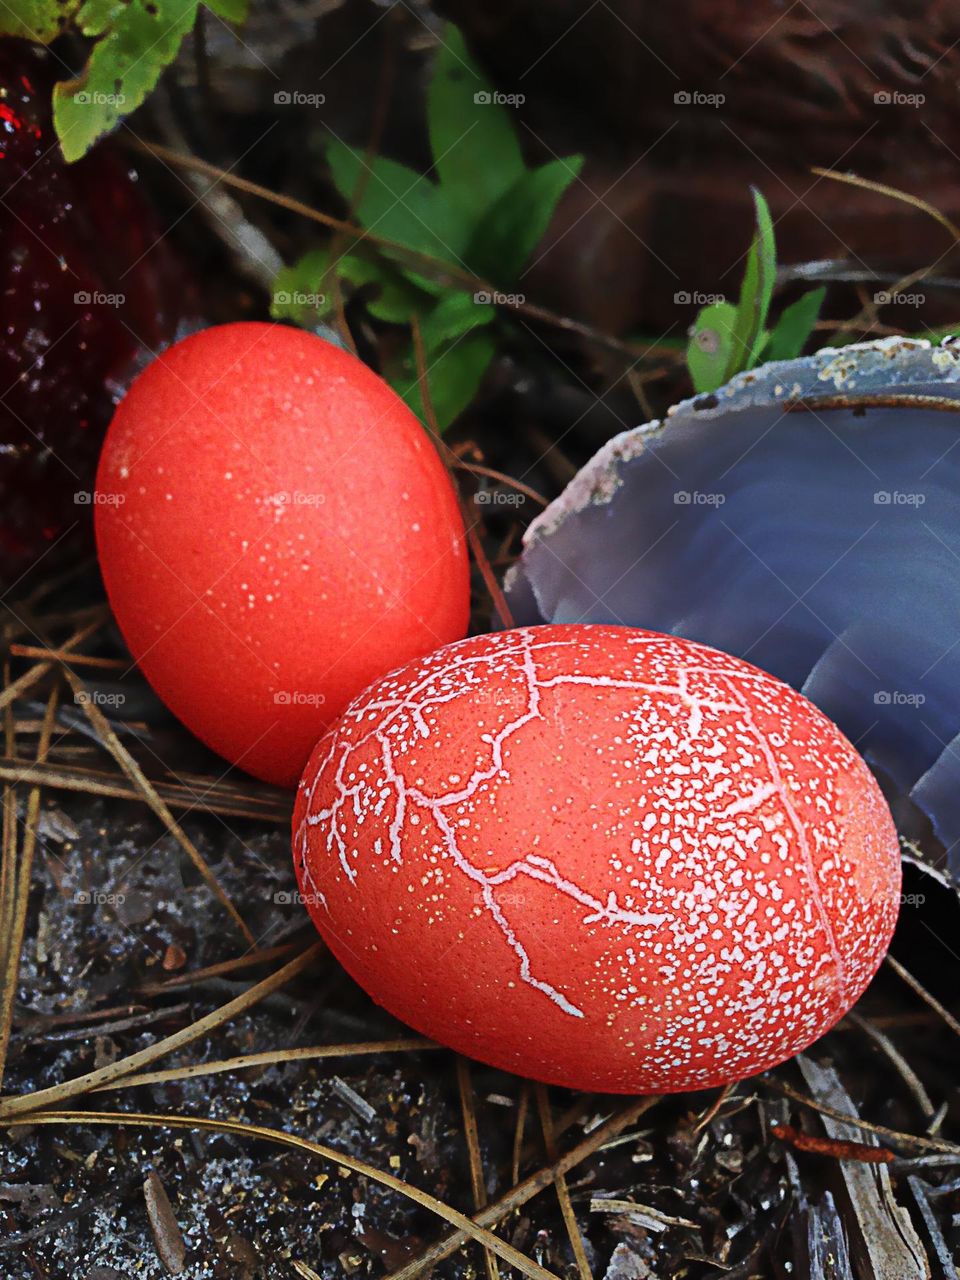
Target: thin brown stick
{"points": [[473, 538], [924, 994], [190, 977], [214, 797], [882, 189], [712, 1111], [899, 1063], [478, 469], [13, 942], [472, 1136], [576, 1112], [278, 1136], [523, 1107], [8, 848], [64, 655], [523, 1191], [489, 578], [560, 1183], [149, 792], [19, 1104], [270, 1058]]}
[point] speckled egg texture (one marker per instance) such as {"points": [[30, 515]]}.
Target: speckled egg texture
{"points": [[600, 857], [275, 530]]}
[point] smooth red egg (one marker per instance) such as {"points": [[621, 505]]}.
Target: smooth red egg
{"points": [[600, 857], [275, 530]]}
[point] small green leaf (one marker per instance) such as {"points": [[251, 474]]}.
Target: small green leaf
{"points": [[304, 291], [39, 20], [755, 292], [517, 222], [138, 40], [475, 150], [400, 204], [710, 346], [229, 10], [453, 375], [393, 298], [795, 326], [453, 316], [297, 293]]}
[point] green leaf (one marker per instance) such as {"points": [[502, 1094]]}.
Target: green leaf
{"points": [[138, 40], [755, 292], [304, 291], [475, 150], [400, 204], [39, 20], [795, 326], [394, 299], [297, 290], [453, 375], [229, 10], [710, 346], [453, 316], [517, 222], [457, 355]]}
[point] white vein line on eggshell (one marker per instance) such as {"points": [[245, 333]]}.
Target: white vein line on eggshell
{"points": [[394, 706], [806, 856], [493, 906]]}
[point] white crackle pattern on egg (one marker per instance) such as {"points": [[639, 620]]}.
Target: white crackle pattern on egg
{"points": [[599, 856]]}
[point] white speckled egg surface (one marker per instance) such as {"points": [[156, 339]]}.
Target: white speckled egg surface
{"points": [[597, 856]]}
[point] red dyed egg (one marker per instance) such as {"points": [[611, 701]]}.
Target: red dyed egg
{"points": [[275, 530], [602, 857]]}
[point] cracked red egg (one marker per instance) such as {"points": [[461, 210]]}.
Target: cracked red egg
{"points": [[600, 857], [275, 530]]}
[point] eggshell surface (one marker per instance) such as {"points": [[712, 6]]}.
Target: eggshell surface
{"points": [[275, 530], [600, 857]]}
